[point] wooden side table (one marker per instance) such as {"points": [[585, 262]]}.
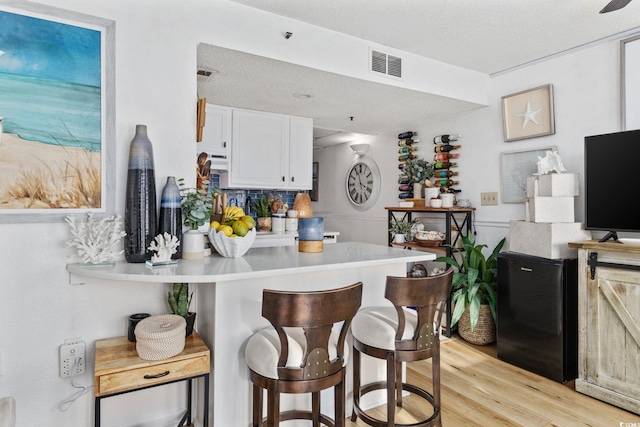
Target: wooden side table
{"points": [[119, 370]]}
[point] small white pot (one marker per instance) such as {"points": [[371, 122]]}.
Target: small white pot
{"points": [[399, 238], [192, 245]]}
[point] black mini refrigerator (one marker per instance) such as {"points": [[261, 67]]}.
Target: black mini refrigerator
{"points": [[537, 326]]}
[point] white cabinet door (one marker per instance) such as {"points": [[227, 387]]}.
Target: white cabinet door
{"points": [[300, 153], [259, 150], [216, 135]]}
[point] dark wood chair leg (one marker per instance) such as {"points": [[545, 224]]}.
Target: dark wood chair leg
{"points": [[257, 406], [398, 384], [339, 402], [273, 407], [315, 409], [391, 391], [356, 383]]}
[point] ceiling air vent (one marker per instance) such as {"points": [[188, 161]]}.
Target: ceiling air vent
{"points": [[386, 64]]}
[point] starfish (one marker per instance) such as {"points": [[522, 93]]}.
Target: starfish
{"points": [[529, 116]]}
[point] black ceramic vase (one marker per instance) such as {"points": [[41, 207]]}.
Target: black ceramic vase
{"points": [[170, 220], [140, 215]]}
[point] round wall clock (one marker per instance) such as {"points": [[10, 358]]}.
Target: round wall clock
{"points": [[363, 182]]}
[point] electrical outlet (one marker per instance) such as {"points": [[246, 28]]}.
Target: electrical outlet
{"points": [[489, 199], [72, 356]]}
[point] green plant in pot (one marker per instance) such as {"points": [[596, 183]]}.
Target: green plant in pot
{"points": [[262, 208], [399, 229], [197, 208], [474, 292], [179, 300]]}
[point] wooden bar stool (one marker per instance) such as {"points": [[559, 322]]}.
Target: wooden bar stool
{"points": [[405, 332], [302, 352]]}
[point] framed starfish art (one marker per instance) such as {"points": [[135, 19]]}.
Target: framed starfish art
{"points": [[528, 114]]}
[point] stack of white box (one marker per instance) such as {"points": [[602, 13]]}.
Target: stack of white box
{"points": [[550, 218]]}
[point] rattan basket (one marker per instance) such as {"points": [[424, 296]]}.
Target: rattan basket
{"points": [[485, 330], [160, 337]]}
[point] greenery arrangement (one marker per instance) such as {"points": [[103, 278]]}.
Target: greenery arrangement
{"points": [[418, 170], [262, 207], [399, 226], [475, 282], [197, 204], [179, 300]]}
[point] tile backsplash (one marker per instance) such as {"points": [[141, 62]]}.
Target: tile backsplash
{"points": [[238, 197]]}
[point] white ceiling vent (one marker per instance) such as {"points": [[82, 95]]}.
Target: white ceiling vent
{"points": [[383, 63]]}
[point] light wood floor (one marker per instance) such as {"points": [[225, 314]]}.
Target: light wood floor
{"points": [[481, 391]]}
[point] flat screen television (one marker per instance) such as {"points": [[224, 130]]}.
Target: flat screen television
{"points": [[612, 183]]}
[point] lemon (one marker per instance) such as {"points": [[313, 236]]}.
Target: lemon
{"points": [[240, 228], [249, 221], [214, 225], [228, 231]]}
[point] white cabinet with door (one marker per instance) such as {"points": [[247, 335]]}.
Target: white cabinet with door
{"points": [[216, 136], [269, 151]]}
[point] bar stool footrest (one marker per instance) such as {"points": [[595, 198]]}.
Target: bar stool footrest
{"points": [[433, 420]]}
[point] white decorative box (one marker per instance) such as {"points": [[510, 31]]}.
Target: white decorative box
{"points": [[550, 209], [553, 185], [546, 240]]}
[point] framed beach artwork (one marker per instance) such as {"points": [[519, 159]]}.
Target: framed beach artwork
{"points": [[57, 123], [515, 168]]}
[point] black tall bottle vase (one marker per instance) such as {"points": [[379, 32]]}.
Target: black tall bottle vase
{"points": [[171, 213], [140, 215]]}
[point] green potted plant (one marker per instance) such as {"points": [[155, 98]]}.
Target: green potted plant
{"points": [[399, 230], [197, 208], [475, 287], [418, 171], [179, 300], [262, 208]]}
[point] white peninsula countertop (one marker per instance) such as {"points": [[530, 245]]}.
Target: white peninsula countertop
{"points": [[256, 263], [229, 300]]}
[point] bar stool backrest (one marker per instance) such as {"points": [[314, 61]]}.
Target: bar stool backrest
{"points": [[317, 313], [426, 295]]}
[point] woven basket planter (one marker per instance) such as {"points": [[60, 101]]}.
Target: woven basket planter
{"points": [[485, 331]]}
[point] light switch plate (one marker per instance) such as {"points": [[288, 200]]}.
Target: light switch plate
{"points": [[489, 199]]}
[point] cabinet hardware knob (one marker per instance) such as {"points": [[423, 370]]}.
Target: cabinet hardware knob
{"points": [[283, 179], [293, 178]]}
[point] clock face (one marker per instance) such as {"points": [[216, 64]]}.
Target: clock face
{"points": [[363, 183]]}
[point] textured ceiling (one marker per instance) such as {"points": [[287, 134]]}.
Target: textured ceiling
{"points": [[489, 36]]}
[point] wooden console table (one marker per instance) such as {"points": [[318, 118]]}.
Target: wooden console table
{"points": [[118, 370], [608, 322]]}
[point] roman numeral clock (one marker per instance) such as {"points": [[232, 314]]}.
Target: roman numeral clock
{"points": [[363, 179]]}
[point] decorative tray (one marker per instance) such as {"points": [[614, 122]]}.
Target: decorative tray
{"points": [[429, 242]]}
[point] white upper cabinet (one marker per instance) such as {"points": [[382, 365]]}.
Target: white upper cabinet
{"points": [[216, 136], [300, 153], [269, 151]]}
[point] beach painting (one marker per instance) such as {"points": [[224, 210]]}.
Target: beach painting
{"points": [[52, 140]]}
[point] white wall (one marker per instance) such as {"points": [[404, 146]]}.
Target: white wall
{"points": [[586, 86], [155, 85]]}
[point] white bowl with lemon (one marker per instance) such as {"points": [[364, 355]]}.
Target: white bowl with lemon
{"points": [[232, 237]]}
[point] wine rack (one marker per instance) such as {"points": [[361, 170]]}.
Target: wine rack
{"points": [[444, 159], [406, 151]]}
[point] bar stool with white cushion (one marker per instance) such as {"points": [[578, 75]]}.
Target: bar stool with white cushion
{"points": [[403, 332], [302, 352]]}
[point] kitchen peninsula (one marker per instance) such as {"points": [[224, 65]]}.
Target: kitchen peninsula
{"points": [[229, 299]]}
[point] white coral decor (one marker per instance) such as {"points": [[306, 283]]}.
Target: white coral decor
{"points": [[165, 245], [93, 239]]}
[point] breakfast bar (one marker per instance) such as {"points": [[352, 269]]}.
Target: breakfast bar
{"points": [[229, 298]]}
